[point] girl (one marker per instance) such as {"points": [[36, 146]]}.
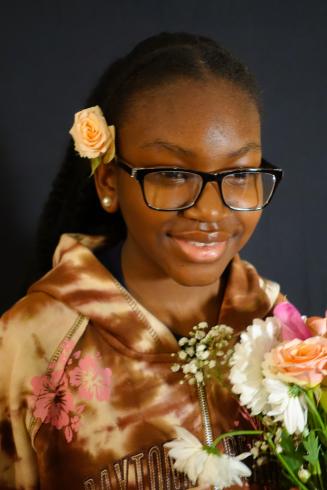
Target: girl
{"points": [[149, 247]]}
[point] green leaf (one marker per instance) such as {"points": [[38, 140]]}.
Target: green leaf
{"points": [[312, 447], [95, 162], [292, 454], [323, 399]]}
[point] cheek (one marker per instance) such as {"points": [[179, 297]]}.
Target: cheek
{"points": [[249, 222], [141, 221], [129, 193]]}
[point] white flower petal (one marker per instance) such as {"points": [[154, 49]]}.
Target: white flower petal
{"points": [[195, 465], [223, 471], [246, 372], [295, 416], [290, 409], [186, 435], [219, 470]]}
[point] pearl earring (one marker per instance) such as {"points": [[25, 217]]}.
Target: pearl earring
{"points": [[106, 201]]}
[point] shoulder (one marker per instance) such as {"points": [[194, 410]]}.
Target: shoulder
{"points": [[40, 314], [271, 288], [248, 295], [248, 282], [32, 330]]}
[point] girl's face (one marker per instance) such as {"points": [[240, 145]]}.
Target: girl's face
{"points": [[208, 126]]}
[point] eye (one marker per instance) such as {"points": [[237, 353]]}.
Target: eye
{"points": [[238, 179], [173, 176]]}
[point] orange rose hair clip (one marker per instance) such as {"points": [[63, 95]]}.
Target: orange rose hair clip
{"points": [[93, 138]]}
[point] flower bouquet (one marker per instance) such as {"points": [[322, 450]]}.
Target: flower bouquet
{"points": [[278, 371]]}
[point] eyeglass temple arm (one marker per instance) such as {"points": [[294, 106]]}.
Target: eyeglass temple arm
{"points": [[267, 164], [130, 170]]}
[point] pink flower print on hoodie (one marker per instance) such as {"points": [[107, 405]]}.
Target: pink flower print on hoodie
{"points": [[93, 380], [53, 399]]}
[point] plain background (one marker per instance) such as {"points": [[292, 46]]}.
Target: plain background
{"points": [[51, 56]]}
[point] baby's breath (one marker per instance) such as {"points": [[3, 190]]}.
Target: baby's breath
{"points": [[203, 351]]}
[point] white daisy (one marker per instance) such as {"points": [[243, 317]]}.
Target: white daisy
{"points": [[224, 471], [221, 471], [286, 406], [246, 373]]}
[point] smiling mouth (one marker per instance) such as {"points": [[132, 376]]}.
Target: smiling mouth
{"points": [[200, 252]]}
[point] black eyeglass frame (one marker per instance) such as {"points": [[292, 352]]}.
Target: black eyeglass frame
{"points": [[139, 173]]}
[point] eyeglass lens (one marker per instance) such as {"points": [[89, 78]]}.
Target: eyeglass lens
{"points": [[171, 190]]}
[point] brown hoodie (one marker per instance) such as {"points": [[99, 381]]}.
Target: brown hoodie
{"points": [[87, 395]]}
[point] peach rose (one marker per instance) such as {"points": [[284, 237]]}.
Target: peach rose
{"points": [[301, 362], [92, 136], [317, 325]]}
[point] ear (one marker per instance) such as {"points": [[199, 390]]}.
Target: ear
{"points": [[105, 179]]}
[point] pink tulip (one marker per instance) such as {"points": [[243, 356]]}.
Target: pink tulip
{"points": [[293, 326]]}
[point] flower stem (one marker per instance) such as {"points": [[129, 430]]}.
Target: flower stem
{"points": [[309, 396], [236, 433], [284, 463]]}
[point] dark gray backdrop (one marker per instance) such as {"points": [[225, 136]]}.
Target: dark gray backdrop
{"points": [[52, 54]]}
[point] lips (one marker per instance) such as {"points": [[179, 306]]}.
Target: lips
{"points": [[202, 237], [200, 247]]}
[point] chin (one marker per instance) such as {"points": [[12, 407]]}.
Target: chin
{"points": [[193, 283], [196, 276]]}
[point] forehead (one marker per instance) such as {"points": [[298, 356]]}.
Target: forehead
{"points": [[210, 117]]}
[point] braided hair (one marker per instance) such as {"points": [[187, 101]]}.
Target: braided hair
{"points": [[73, 205]]}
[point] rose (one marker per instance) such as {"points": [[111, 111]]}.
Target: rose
{"points": [[317, 325], [92, 136], [301, 362]]}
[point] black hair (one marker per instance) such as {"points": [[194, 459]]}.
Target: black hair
{"points": [[73, 205]]}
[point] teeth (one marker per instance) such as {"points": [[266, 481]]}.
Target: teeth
{"points": [[201, 244]]}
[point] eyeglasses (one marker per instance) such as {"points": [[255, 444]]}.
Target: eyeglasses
{"points": [[176, 189]]}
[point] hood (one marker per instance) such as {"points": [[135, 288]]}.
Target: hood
{"points": [[79, 280]]}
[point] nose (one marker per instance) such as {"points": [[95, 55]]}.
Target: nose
{"points": [[209, 207]]}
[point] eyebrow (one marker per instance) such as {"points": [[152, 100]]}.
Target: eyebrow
{"points": [[186, 152], [170, 147]]}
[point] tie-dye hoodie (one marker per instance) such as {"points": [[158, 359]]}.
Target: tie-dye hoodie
{"points": [[87, 395]]}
